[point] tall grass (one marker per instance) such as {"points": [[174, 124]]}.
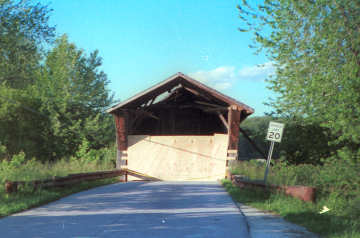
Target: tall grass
{"points": [[332, 176], [294, 210], [338, 188], [20, 169]]}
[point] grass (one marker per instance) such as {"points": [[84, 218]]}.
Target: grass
{"points": [[25, 199], [337, 186], [20, 169]]}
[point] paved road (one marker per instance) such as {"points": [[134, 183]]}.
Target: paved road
{"points": [[136, 209]]}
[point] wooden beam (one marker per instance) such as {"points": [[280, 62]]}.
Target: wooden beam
{"points": [[218, 109], [139, 115], [208, 104], [174, 94], [186, 106], [196, 92], [144, 112], [140, 175], [192, 91], [252, 143], [203, 108], [233, 122], [151, 101], [133, 123], [162, 106], [149, 114], [223, 121], [232, 154], [121, 123], [172, 121]]}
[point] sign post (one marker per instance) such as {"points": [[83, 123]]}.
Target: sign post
{"points": [[274, 134]]}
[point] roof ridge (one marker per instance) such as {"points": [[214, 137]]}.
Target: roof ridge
{"points": [[213, 92]]}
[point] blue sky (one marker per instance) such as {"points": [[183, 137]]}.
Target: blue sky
{"points": [[144, 42]]}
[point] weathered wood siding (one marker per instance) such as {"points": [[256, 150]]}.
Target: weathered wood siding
{"points": [[121, 123], [179, 158], [234, 118]]}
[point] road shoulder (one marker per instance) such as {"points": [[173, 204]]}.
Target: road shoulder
{"points": [[266, 225]]}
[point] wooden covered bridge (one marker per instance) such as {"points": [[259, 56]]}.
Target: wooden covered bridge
{"points": [[179, 129]]}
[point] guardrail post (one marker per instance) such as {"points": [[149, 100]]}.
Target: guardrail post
{"points": [[11, 187]]}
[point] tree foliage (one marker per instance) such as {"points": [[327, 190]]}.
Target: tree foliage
{"points": [[24, 30], [302, 143], [256, 128], [51, 101], [315, 46], [74, 95]]}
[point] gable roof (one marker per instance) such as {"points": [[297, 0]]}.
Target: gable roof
{"points": [[186, 81]]}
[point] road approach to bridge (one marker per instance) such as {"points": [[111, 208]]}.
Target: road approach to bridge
{"points": [[134, 209]]}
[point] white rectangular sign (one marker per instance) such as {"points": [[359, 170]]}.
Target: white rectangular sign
{"points": [[275, 131]]}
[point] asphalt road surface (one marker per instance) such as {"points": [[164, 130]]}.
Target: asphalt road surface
{"points": [[132, 210]]}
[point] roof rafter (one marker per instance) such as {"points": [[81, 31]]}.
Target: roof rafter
{"points": [[191, 85]]}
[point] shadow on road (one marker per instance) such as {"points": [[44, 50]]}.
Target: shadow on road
{"points": [[155, 209]]}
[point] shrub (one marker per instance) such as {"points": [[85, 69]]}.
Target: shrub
{"points": [[3, 151], [337, 181], [20, 169]]}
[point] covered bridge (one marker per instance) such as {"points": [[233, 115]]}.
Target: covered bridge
{"points": [[179, 129]]}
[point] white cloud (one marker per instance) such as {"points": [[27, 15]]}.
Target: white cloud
{"points": [[225, 76], [256, 72], [222, 85], [219, 78]]}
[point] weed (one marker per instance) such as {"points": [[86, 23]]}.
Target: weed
{"points": [[20, 169], [338, 188]]}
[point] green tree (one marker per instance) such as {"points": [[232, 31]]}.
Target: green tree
{"points": [[256, 128], [301, 143], [315, 46], [73, 93], [52, 101], [24, 30], [21, 125]]}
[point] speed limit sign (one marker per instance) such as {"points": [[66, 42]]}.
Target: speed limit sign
{"points": [[274, 134], [275, 131]]}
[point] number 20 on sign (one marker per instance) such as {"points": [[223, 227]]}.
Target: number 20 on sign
{"points": [[275, 131], [274, 134]]}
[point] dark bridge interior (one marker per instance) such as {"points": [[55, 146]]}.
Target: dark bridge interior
{"points": [[179, 112]]}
